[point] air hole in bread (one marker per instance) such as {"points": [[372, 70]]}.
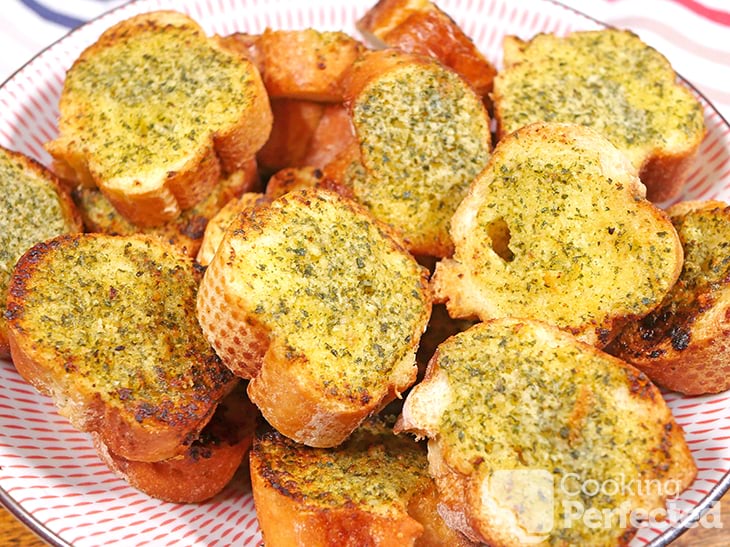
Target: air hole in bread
{"points": [[498, 232]]}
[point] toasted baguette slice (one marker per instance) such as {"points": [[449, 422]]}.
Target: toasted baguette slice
{"points": [[218, 225], [520, 416], [186, 231], [321, 307], [684, 344], [375, 491], [419, 26], [557, 228], [294, 178], [295, 122], [332, 135], [207, 465], [423, 135], [34, 206], [306, 64], [613, 82], [151, 113], [105, 325]]}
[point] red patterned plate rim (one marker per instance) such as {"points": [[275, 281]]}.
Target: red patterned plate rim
{"points": [[702, 188]]}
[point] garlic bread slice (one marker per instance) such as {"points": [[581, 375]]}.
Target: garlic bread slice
{"points": [[533, 433], [613, 82], [34, 206], [423, 136], [321, 307], [556, 228], [153, 111], [683, 344], [105, 326], [374, 489]]}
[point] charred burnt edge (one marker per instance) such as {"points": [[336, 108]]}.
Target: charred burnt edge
{"points": [[640, 384], [266, 436], [603, 335], [13, 312], [194, 228], [680, 337]]}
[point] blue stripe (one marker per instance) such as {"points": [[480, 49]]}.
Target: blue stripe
{"points": [[53, 16]]}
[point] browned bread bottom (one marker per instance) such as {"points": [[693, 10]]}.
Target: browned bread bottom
{"points": [[421, 27], [206, 467], [186, 231]]}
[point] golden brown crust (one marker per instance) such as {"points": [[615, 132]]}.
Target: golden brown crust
{"points": [[682, 208], [237, 145], [295, 122], [333, 134], [436, 532], [288, 384], [207, 465], [218, 225], [184, 189], [339, 173], [421, 27], [664, 174], [4, 344], [192, 152], [285, 394], [144, 408], [239, 340], [306, 64], [243, 44], [684, 344]]}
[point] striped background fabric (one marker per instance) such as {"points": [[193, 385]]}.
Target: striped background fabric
{"points": [[693, 34]]}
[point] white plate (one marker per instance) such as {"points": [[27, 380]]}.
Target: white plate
{"points": [[49, 473]]}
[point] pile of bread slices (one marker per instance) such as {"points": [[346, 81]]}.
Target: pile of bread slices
{"points": [[272, 222]]}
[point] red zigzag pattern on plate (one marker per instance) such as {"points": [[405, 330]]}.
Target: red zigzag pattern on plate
{"points": [[52, 471]]}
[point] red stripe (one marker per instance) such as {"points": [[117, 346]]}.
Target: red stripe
{"points": [[717, 16]]}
